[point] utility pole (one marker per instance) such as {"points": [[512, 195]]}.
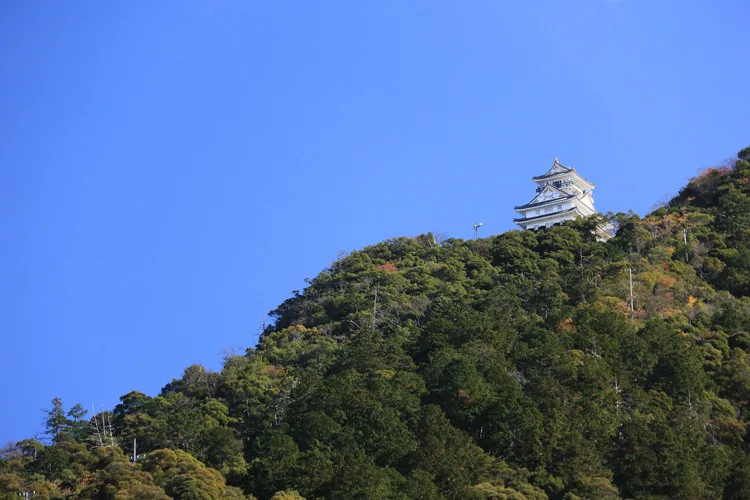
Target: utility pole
{"points": [[135, 452], [476, 229], [630, 273]]}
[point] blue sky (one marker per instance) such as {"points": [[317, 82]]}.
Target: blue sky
{"points": [[170, 171]]}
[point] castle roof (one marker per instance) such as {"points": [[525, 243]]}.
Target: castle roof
{"points": [[562, 195], [558, 169]]}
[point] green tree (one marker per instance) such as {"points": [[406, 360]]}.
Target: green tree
{"points": [[78, 427], [55, 421]]}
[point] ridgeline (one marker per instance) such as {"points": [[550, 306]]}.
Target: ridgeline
{"points": [[510, 367]]}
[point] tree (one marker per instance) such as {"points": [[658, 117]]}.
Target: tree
{"points": [[55, 421], [185, 478], [78, 426]]}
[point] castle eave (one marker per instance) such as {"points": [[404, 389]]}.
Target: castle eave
{"points": [[542, 203], [549, 176], [550, 215]]}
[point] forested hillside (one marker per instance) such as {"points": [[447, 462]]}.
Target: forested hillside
{"points": [[510, 367]]}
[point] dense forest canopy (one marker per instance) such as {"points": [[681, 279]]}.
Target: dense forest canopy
{"points": [[510, 367]]}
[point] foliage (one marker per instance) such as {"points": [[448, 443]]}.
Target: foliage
{"points": [[509, 367]]}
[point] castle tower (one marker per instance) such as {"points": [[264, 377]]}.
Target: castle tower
{"points": [[561, 195]]}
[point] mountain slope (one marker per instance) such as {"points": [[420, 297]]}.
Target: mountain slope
{"points": [[506, 367]]}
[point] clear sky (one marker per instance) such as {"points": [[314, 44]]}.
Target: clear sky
{"points": [[171, 170]]}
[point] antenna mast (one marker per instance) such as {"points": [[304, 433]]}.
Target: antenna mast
{"points": [[476, 229]]}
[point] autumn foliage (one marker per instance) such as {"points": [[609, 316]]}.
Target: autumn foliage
{"points": [[389, 267]]}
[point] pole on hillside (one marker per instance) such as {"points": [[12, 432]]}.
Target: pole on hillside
{"points": [[684, 239], [476, 230], [630, 274]]}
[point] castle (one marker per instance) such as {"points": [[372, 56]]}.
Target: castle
{"points": [[561, 195]]}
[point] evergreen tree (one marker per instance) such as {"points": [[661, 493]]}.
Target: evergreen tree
{"points": [[55, 421]]}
